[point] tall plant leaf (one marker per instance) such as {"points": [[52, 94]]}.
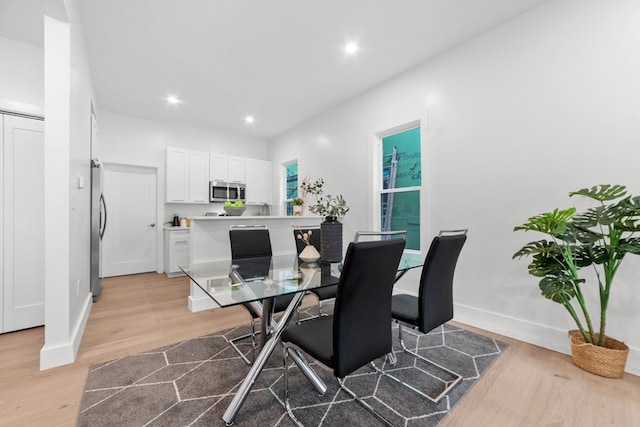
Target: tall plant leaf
{"points": [[557, 287], [552, 223], [602, 193]]}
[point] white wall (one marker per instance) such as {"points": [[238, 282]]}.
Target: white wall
{"points": [[134, 141], [67, 102], [21, 77], [540, 106]]}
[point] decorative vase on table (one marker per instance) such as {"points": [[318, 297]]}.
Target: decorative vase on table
{"points": [[309, 254], [331, 239]]}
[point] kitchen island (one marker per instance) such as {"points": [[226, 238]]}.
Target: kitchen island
{"points": [[210, 242]]}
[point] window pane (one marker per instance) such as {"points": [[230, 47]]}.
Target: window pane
{"points": [[401, 211], [291, 186], [401, 165]]}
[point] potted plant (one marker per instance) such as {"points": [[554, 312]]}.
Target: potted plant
{"points": [[330, 208], [297, 206], [598, 238]]}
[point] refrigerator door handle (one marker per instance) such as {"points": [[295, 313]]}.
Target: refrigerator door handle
{"points": [[103, 225]]}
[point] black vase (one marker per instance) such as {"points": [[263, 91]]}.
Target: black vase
{"points": [[331, 239]]}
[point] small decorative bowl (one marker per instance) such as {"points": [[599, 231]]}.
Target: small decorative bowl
{"points": [[235, 210]]}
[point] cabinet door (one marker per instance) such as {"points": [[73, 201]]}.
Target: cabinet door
{"points": [[198, 177], [217, 167], [236, 169], [22, 256], [178, 251], [177, 175], [258, 174]]}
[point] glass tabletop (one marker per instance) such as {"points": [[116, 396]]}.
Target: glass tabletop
{"points": [[252, 279]]}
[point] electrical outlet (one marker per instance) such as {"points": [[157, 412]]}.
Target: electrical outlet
{"points": [[77, 287]]}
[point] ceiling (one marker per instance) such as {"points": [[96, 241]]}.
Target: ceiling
{"points": [[278, 60]]}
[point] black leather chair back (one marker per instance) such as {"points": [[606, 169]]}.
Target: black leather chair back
{"points": [[314, 238], [250, 243], [362, 312], [435, 299]]}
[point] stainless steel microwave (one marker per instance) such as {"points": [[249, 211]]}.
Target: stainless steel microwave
{"points": [[223, 191]]}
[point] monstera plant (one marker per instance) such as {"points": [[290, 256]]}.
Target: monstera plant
{"points": [[599, 239]]}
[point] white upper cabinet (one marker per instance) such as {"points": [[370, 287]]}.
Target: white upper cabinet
{"points": [[218, 167], [187, 176], [198, 177], [258, 176], [236, 170], [226, 168], [177, 175]]}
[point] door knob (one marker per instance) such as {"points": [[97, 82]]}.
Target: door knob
{"points": [[152, 225]]}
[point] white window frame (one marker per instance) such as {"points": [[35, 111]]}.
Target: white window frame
{"points": [[283, 184], [377, 175]]}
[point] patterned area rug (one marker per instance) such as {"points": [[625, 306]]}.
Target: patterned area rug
{"points": [[191, 383]]}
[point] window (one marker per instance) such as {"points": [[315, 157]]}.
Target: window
{"points": [[401, 180], [290, 186]]}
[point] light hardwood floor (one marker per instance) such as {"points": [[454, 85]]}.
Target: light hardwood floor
{"points": [[527, 386]]}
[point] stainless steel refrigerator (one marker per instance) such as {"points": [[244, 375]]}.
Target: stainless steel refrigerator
{"points": [[98, 226]]}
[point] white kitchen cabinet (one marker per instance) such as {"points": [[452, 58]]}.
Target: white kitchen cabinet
{"points": [[258, 181], [224, 168], [187, 176], [218, 167], [177, 175], [177, 250], [236, 170], [198, 177]]}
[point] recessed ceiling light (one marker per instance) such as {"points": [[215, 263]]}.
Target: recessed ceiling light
{"points": [[173, 100], [351, 48], [249, 119]]}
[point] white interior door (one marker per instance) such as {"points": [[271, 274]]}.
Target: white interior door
{"points": [[22, 220], [129, 242]]}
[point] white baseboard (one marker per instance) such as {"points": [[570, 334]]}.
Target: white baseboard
{"points": [[52, 356], [532, 333], [201, 304]]}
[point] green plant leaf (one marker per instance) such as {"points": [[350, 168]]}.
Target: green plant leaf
{"points": [[557, 287], [602, 193], [552, 223], [629, 245]]}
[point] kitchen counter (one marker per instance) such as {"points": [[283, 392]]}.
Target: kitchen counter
{"points": [[210, 242], [293, 219]]}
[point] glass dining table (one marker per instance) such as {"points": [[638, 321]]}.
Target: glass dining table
{"points": [[255, 282]]}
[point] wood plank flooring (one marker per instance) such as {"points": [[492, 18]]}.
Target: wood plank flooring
{"points": [[527, 386]]}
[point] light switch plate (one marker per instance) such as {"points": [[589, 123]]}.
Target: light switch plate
{"points": [[80, 182]]}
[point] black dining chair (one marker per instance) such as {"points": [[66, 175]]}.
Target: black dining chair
{"points": [[434, 304], [358, 331], [362, 236], [252, 241]]}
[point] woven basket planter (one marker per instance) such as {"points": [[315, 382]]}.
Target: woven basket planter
{"points": [[608, 361], [331, 240]]}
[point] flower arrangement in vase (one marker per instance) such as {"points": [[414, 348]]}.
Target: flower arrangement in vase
{"points": [[309, 253]]}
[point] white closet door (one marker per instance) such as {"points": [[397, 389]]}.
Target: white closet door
{"points": [[22, 223]]}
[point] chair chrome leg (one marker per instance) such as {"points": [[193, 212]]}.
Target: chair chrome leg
{"points": [[364, 404], [449, 385], [252, 335], [286, 388]]}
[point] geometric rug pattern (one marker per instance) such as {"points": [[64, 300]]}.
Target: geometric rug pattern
{"points": [[192, 382]]}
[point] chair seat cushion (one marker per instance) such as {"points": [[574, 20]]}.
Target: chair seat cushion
{"points": [[314, 337], [405, 308], [325, 293]]}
